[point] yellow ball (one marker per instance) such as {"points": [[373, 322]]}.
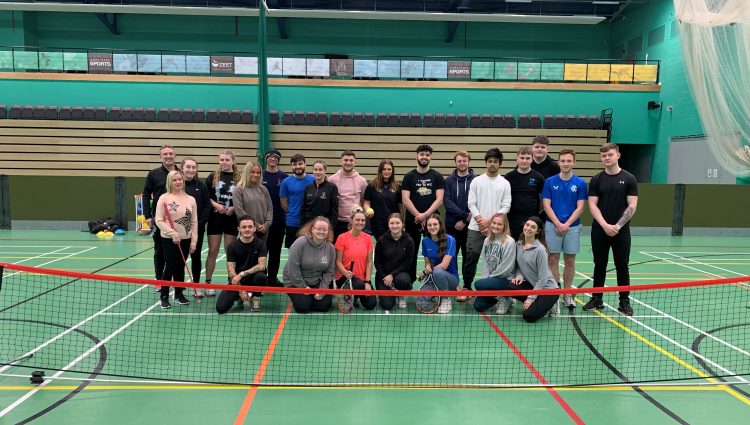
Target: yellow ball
{"points": [[370, 212], [100, 234]]}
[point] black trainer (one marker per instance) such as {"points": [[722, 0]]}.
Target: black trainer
{"points": [[180, 299], [164, 303], [594, 303], [625, 307]]}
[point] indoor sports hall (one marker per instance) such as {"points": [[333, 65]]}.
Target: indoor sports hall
{"points": [[92, 92]]}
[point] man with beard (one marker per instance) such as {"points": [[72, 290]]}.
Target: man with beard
{"points": [[422, 192], [351, 190], [292, 195], [457, 214], [272, 178]]}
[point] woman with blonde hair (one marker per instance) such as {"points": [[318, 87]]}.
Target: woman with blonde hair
{"points": [[177, 217], [251, 199], [222, 220], [498, 267]]}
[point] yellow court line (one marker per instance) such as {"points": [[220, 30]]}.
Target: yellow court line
{"points": [[366, 388], [669, 355]]}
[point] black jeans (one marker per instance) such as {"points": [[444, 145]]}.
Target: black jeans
{"points": [[274, 243], [415, 231], [227, 298], [158, 254], [304, 303], [291, 236], [174, 263], [620, 244], [401, 282], [339, 227]]}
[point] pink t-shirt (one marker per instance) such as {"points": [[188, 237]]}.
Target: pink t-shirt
{"points": [[354, 249]]}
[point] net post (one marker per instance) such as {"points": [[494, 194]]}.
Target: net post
{"points": [[678, 211], [2, 272], [4, 202], [121, 214]]}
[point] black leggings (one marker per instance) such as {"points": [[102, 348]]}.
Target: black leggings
{"points": [[158, 254], [367, 301], [174, 264], [195, 258], [620, 244], [227, 298], [401, 281], [304, 303], [291, 236], [538, 309], [415, 231]]}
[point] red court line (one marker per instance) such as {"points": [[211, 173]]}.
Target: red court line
{"points": [[566, 407], [242, 414]]}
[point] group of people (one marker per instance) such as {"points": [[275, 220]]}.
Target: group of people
{"points": [[518, 224]]}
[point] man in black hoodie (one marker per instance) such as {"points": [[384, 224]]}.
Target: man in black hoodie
{"points": [[155, 186], [457, 214], [542, 161]]}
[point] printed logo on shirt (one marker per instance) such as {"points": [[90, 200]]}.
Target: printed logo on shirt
{"points": [[555, 187], [323, 259], [532, 181], [323, 196], [622, 181], [173, 206], [424, 191], [574, 189]]}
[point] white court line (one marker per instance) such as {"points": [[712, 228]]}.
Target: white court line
{"points": [[51, 261], [37, 246], [78, 359], [688, 325], [41, 255], [705, 264]]}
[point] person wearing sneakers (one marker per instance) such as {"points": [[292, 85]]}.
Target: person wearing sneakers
{"points": [[198, 190], [177, 218], [393, 253], [272, 178], [311, 264], [498, 267], [457, 214], [355, 246], [532, 272], [439, 252], [251, 199], [564, 196], [246, 264], [613, 199]]}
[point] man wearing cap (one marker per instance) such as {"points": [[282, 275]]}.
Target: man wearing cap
{"points": [[272, 178]]}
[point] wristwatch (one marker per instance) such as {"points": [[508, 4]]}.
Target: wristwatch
{"points": [[242, 273], [617, 227]]}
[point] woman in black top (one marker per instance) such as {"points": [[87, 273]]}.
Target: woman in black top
{"points": [[383, 196], [321, 197], [198, 190], [393, 254], [221, 220]]}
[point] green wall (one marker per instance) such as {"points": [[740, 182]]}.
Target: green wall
{"points": [[683, 119], [318, 36]]}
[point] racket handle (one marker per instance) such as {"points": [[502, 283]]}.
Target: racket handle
{"points": [[351, 266]]}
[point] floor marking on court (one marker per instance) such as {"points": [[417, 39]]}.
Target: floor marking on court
{"points": [[76, 326], [672, 356], [51, 261], [75, 361], [565, 406], [707, 264], [242, 414], [681, 322]]}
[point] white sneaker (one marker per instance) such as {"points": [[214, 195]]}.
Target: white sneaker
{"points": [[568, 301], [402, 302], [211, 292], [255, 303], [555, 310], [445, 306], [503, 305]]}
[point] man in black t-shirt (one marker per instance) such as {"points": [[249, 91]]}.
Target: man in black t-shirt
{"points": [[525, 188], [613, 199], [422, 192], [246, 262]]}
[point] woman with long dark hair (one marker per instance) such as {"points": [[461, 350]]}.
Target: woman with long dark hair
{"points": [[383, 198], [439, 252], [393, 253]]}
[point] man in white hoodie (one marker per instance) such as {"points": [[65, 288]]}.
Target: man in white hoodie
{"points": [[488, 194], [351, 187]]}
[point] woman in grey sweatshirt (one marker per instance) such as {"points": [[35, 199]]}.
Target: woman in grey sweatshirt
{"points": [[498, 267], [311, 264], [532, 272]]}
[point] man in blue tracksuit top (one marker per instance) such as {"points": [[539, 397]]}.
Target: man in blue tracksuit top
{"points": [[457, 214]]}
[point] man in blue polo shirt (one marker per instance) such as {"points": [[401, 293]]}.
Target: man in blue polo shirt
{"points": [[292, 194], [564, 196]]}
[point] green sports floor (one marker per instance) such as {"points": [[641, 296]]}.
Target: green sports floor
{"points": [[665, 338]]}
